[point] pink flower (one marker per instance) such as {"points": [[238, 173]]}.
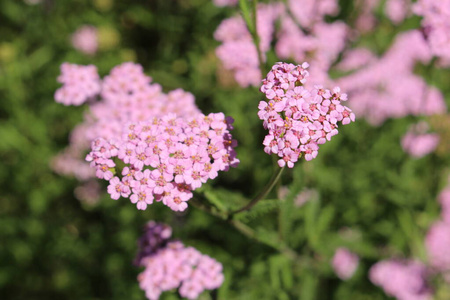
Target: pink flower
{"points": [[225, 2], [117, 189], [436, 21], [80, 83], [403, 280], [437, 243], [345, 263], [85, 39], [417, 143], [169, 265], [180, 155]]}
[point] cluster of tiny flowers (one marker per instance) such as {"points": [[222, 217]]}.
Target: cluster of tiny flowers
{"points": [[436, 26], [80, 83], [387, 87], [404, 280], [85, 39], [345, 263], [302, 35], [165, 158], [417, 142], [299, 119], [238, 52], [171, 265], [126, 94]]}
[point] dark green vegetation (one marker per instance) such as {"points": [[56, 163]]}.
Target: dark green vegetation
{"points": [[372, 197]]}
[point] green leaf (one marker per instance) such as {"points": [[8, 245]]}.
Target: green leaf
{"points": [[311, 216], [261, 208], [215, 200]]}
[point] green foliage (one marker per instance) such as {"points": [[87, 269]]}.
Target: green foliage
{"points": [[372, 198]]}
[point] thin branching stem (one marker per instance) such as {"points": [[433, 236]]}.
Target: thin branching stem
{"points": [[275, 177]]}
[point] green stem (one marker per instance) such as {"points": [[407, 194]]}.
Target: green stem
{"points": [[275, 177], [305, 31], [251, 23], [256, 39]]}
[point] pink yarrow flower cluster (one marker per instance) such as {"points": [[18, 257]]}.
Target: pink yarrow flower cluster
{"points": [[302, 34], [172, 265], [388, 88], [299, 119], [436, 26], [345, 263], [404, 280], [166, 158], [80, 83], [438, 244], [238, 52], [126, 94]]}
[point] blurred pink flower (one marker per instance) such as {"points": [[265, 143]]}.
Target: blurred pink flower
{"points": [[388, 88], [225, 2], [397, 10], [304, 196], [436, 24], [237, 52], [417, 143], [299, 119], [345, 263], [170, 265], [85, 39], [438, 244], [88, 192], [80, 83], [404, 280], [356, 58]]}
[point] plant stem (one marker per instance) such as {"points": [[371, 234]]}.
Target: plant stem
{"points": [[275, 177], [255, 37], [305, 31]]}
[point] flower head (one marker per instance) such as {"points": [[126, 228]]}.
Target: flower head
{"points": [[299, 119], [158, 163]]}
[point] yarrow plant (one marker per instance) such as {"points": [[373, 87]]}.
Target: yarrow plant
{"points": [[165, 158], [299, 119], [126, 94], [169, 265]]}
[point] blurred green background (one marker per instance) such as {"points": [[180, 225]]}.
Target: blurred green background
{"points": [[371, 196]]}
